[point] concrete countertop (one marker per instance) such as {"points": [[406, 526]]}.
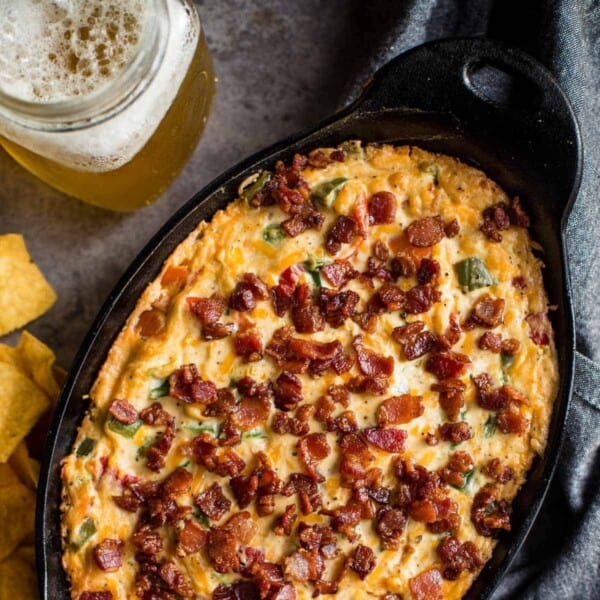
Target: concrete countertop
{"points": [[281, 65]]}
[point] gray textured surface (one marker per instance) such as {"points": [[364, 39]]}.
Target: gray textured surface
{"points": [[280, 69]]}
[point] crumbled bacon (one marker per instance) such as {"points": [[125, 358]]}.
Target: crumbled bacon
{"points": [[344, 231], [156, 415], [223, 406], [400, 409], [356, 458], [312, 449], [517, 214], [363, 561], [207, 310], [457, 466], [224, 542], [108, 555], [390, 525], [487, 312], [490, 513], [451, 335], [339, 273], [388, 297], [421, 298], [123, 412], [488, 396], [288, 391], [382, 208], [248, 345], [377, 385], [390, 440], [452, 228], [157, 452], [343, 423], [413, 341], [224, 462], [307, 490], [186, 384], [451, 397], [376, 269], [217, 331], [519, 282], [455, 432], [176, 581], [490, 341], [370, 363], [251, 412], [96, 596], [427, 585], [425, 232], [337, 307], [240, 590], [213, 503], [147, 542], [177, 483], [540, 330], [305, 313], [428, 271], [344, 519], [285, 522], [496, 470], [380, 250], [510, 421], [192, 538], [495, 219], [458, 557], [403, 265], [446, 365], [304, 566], [313, 350], [510, 346]]}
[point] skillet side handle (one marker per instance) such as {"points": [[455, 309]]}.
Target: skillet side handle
{"points": [[499, 92]]}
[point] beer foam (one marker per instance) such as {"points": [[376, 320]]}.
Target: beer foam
{"points": [[37, 28], [52, 50]]}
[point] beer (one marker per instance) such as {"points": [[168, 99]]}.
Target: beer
{"points": [[103, 99]]}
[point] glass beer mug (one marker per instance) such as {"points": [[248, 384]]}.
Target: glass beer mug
{"points": [[103, 99]]}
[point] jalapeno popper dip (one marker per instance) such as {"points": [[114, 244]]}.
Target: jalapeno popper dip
{"points": [[335, 387]]}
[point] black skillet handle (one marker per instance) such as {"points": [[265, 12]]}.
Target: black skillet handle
{"points": [[499, 92]]}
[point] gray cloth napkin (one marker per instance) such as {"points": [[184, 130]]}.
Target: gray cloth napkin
{"points": [[561, 558]]}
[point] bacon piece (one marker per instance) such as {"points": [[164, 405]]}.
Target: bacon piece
{"points": [[337, 307], [177, 483], [312, 449], [344, 519], [455, 432], [242, 298], [488, 396], [344, 231], [343, 423], [318, 538], [313, 350], [413, 341], [339, 273], [517, 214], [376, 269], [451, 397], [224, 463], [458, 557], [495, 219], [223, 406], [305, 314], [304, 566], [96, 596], [400, 409], [489, 513], [425, 232], [452, 228], [251, 412], [540, 329], [108, 555], [380, 250], [390, 525], [356, 458], [390, 440], [156, 415], [248, 345], [403, 265], [451, 335], [388, 297], [240, 590], [363, 561], [123, 412], [427, 585], [186, 384], [370, 363], [288, 391], [148, 542], [519, 282], [377, 385], [487, 312], [175, 276], [428, 271], [285, 522], [421, 298], [157, 452], [151, 322], [510, 346], [192, 538], [496, 470], [510, 421], [307, 490], [382, 208], [490, 341], [176, 581], [224, 542], [458, 465], [217, 331], [207, 310], [213, 502], [446, 365]]}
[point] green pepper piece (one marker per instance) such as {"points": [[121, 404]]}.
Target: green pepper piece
{"points": [[313, 266], [273, 233], [327, 192], [127, 431], [466, 480], [258, 184], [86, 530], [161, 390], [256, 433], [507, 360], [489, 428], [85, 447], [472, 274], [354, 149], [432, 170], [204, 427]]}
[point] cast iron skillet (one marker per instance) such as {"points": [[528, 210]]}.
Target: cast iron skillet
{"points": [[495, 108]]}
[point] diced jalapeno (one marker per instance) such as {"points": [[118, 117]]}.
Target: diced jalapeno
{"points": [[204, 427], [507, 360], [85, 447], [141, 451], [256, 433], [327, 192], [466, 480], [489, 428], [201, 517], [432, 170], [127, 431], [86, 530], [354, 149], [249, 191], [313, 266], [273, 233], [472, 274], [161, 390]]}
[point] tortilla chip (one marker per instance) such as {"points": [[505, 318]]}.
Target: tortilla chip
{"points": [[17, 580], [25, 292], [39, 363], [7, 475], [22, 403], [17, 509], [27, 468], [25, 552]]}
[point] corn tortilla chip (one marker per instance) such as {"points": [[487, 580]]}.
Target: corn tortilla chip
{"points": [[17, 580], [27, 468], [25, 292], [7, 475], [21, 404], [17, 508], [25, 552], [39, 363]]}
